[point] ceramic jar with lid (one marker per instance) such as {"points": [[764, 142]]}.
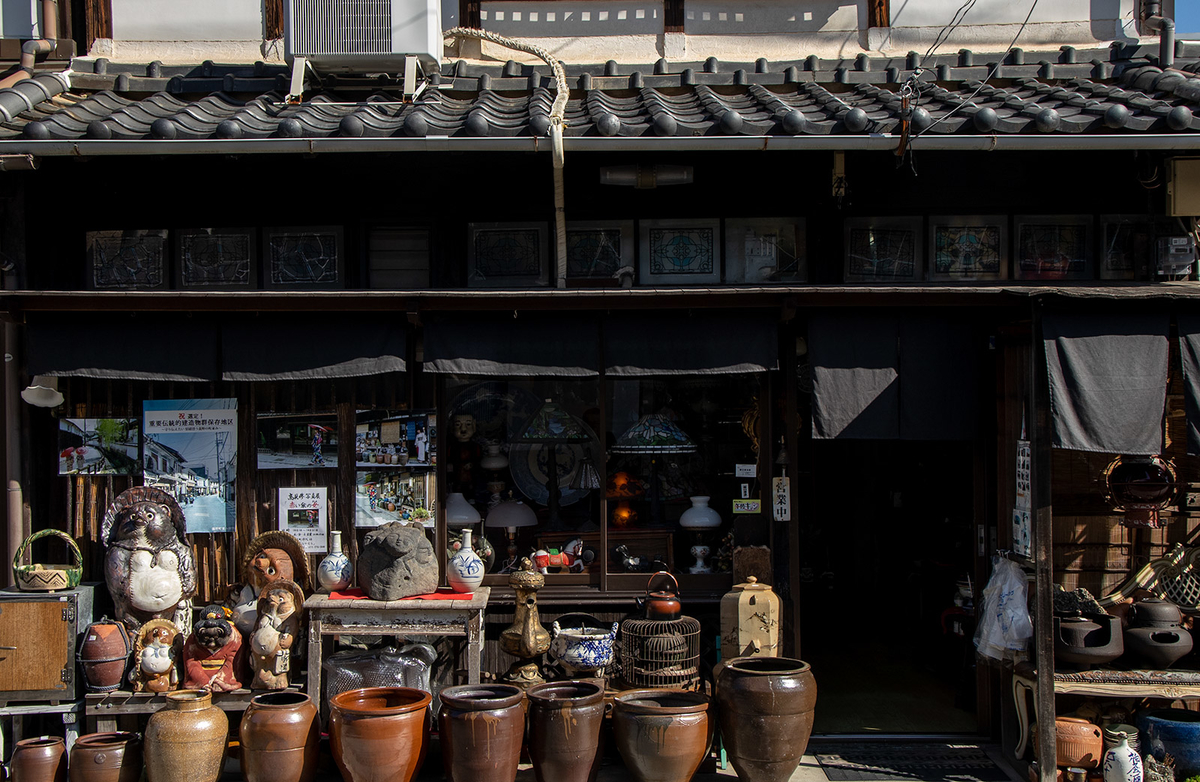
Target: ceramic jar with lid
{"points": [[750, 621]]}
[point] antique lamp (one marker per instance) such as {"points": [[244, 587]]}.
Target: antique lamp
{"points": [[551, 426], [511, 514], [654, 434]]}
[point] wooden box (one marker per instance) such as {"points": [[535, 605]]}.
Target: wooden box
{"points": [[39, 633]]}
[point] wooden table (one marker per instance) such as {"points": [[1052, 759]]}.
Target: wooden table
{"points": [[394, 617], [102, 709]]}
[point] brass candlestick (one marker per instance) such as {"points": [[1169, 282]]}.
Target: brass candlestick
{"points": [[525, 638]]}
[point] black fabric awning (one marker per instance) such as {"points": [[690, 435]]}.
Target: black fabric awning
{"points": [[295, 347], [141, 348], [1189, 353], [528, 345], [1108, 380], [699, 342]]}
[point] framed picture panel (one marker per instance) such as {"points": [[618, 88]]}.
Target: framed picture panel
{"points": [[508, 255], [127, 260], [303, 258], [679, 252], [216, 258], [883, 249], [1127, 246], [760, 251], [596, 250], [968, 248], [1054, 247]]}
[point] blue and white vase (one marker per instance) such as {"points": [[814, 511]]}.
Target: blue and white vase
{"points": [[333, 574], [464, 571], [583, 650], [1122, 763]]}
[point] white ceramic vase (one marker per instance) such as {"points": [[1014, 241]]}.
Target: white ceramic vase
{"points": [[700, 516], [333, 574], [1122, 763], [464, 571]]}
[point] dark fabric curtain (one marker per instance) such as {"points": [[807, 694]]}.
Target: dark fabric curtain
{"points": [[939, 379], [1108, 381], [638, 344], [298, 347], [529, 345], [1189, 353], [133, 348], [856, 376]]}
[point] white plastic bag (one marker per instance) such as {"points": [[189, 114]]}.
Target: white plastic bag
{"points": [[1004, 627]]}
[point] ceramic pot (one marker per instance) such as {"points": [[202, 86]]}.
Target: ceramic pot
{"points": [[1174, 732], [700, 515], [564, 731], [104, 654], [1078, 743], [379, 734], [766, 709], [662, 735], [1122, 764], [1083, 641], [106, 757], [464, 571], [583, 650], [185, 740], [482, 728], [42, 759], [1154, 636], [279, 734], [334, 572], [1153, 612]]}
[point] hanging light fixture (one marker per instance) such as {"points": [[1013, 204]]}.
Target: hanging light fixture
{"points": [[654, 434], [43, 392]]}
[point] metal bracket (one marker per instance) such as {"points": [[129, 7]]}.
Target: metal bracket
{"points": [[296, 89], [68, 612], [66, 675], [410, 76]]}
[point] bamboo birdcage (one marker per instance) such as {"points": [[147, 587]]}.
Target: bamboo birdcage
{"points": [[661, 653]]}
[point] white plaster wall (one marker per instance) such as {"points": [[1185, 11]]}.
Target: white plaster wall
{"points": [[187, 20]]}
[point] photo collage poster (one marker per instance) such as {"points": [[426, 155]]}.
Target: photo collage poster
{"points": [[189, 449]]}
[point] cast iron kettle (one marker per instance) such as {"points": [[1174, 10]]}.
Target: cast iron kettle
{"points": [[661, 605]]}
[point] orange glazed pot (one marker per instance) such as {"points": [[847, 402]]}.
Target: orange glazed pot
{"points": [[1078, 743], [279, 737], [379, 734]]}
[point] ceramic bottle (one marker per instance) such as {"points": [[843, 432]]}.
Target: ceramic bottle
{"points": [[333, 574], [464, 571], [1122, 764]]}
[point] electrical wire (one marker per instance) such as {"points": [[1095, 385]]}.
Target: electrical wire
{"points": [[944, 35]]}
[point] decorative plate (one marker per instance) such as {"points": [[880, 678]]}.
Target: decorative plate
{"points": [[528, 464]]}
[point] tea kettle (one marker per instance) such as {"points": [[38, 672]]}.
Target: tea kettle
{"points": [[661, 605]]}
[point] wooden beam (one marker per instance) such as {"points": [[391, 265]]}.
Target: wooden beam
{"points": [[879, 14], [97, 21], [1043, 534], [272, 19], [673, 16]]}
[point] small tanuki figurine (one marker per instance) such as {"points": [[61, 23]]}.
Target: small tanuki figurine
{"points": [[276, 633], [154, 657], [214, 657], [270, 557]]}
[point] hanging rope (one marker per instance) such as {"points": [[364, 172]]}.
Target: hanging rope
{"points": [[557, 111]]}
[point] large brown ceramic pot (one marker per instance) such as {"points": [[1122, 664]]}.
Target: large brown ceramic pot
{"points": [[482, 727], [766, 711], [564, 730], [106, 757], [662, 735], [43, 759], [379, 734], [279, 735], [185, 741]]}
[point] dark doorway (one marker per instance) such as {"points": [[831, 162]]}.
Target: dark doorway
{"points": [[886, 539]]}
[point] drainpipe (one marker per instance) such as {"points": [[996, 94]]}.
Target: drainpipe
{"points": [[44, 45], [1154, 21]]}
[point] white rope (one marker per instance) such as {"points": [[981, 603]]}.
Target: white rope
{"points": [[557, 112]]}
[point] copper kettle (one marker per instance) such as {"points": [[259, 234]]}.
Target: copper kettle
{"points": [[661, 605]]}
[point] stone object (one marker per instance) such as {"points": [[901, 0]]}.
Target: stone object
{"points": [[214, 657], [396, 561], [276, 634], [185, 740]]}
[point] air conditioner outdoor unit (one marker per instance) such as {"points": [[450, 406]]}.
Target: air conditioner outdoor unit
{"points": [[20, 19], [363, 36]]}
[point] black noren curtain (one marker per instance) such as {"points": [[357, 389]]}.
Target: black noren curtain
{"points": [[146, 347], [299, 347], [532, 344], [700, 342], [1189, 353]]}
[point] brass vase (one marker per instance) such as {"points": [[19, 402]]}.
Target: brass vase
{"points": [[525, 638]]}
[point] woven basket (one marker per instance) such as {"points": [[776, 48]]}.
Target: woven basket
{"points": [[47, 578]]}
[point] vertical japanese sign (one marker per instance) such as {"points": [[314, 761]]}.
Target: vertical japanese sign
{"points": [[304, 512], [189, 448], [781, 498], [1022, 530]]}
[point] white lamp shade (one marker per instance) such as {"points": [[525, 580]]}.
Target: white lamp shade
{"points": [[43, 392], [700, 515], [459, 512], [512, 513]]}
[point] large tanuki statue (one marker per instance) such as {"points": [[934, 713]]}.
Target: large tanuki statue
{"points": [[276, 634], [149, 567]]}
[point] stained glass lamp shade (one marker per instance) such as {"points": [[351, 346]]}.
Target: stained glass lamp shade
{"points": [[551, 425], [654, 434]]}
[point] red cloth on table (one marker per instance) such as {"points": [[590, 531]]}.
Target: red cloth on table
{"points": [[443, 593]]}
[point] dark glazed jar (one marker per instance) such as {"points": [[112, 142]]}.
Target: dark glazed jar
{"points": [[379, 734], [482, 728], [185, 741], [662, 735], [106, 757], [279, 735], [564, 730], [43, 759], [766, 709]]}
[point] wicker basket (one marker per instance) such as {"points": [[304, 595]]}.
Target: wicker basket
{"points": [[47, 578]]}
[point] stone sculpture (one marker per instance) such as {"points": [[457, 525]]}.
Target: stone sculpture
{"points": [[149, 567], [214, 657], [270, 557], [276, 634], [154, 655], [397, 561]]}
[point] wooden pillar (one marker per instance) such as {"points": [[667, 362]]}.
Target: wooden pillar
{"points": [[272, 19], [98, 21], [879, 13], [1043, 534]]}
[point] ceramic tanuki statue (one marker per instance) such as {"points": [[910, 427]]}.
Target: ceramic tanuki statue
{"points": [[214, 657], [154, 657], [276, 634], [272, 556], [149, 567]]}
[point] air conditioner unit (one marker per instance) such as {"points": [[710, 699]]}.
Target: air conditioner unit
{"points": [[20, 19], [363, 36]]}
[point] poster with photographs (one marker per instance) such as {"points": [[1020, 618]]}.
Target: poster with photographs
{"points": [[98, 446], [189, 448], [295, 441], [304, 514], [395, 438], [387, 495]]}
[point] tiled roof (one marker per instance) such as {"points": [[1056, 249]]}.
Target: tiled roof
{"points": [[1112, 91]]}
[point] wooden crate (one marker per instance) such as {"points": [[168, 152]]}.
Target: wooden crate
{"points": [[40, 632]]}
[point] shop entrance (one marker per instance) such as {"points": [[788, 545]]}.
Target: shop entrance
{"points": [[890, 537]]}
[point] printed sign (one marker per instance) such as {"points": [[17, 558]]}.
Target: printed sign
{"points": [[1022, 530], [304, 512], [189, 448], [745, 470], [781, 499], [747, 506]]}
